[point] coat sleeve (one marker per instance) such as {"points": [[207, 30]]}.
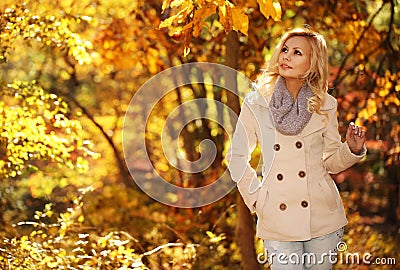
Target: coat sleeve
{"points": [[238, 156], [337, 155]]}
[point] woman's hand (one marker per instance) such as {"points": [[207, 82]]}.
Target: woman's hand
{"points": [[355, 138]]}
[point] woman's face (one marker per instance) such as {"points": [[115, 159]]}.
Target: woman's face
{"points": [[294, 58]]}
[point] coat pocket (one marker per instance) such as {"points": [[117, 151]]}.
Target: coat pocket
{"points": [[262, 202], [330, 193]]}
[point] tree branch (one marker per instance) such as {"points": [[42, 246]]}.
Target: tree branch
{"points": [[120, 161], [157, 249], [74, 82], [391, 23], [339, 79]]}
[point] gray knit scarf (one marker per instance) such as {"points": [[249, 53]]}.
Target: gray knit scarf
{"points": [[290, 117]]}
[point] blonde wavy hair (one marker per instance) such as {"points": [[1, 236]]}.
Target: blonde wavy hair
{"points": [[317, 75]]}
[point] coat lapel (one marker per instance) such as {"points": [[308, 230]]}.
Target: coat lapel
{"points": [[316, 123], [319, 121]]}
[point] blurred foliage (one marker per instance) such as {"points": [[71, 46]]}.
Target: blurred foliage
{"points": [[35, 126], [68, 71], [65, 243], [58, 241], [191, 17], [19, 22]]}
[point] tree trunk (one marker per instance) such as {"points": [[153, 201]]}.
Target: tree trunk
{"points": [[245, 224], [245, 236], [393, 213]]}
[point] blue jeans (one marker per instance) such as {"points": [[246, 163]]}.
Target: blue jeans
{"points": [[318, 253]]}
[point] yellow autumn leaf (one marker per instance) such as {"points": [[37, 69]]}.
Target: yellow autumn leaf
{"points": [[199, 16], [179, 17], [270, 9], [186, 51], [165, 4], [363, 114], [392, 99], [215, 238], [168, 22], [52, 264], [177, 3], [210, 234], [224, 17], [278, 11], [388, 85], [240, 20], [383, 92]]}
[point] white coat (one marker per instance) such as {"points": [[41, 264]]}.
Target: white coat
{"points": [[297, 199]]}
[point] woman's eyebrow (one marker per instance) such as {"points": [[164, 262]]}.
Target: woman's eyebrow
{"points": [[295, 48]]}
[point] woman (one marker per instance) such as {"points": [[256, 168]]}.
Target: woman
{"points": [[293, 118]]}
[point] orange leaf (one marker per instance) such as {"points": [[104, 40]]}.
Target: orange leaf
{"points": [[224, 18], [270, 9], [168, 22], [165, 4], [240, 20], [199, 16]]}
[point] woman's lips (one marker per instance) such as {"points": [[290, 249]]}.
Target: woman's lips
{"points": [[284, 66]]}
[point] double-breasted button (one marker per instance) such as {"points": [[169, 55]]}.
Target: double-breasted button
{"points": [[279, 176], [302, 174], [299, 144], [282, 206], [304, 204], [277, 147]]}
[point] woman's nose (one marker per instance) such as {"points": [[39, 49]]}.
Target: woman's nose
{"points": [[286, 56]]}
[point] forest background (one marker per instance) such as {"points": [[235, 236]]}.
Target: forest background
{"points": [[68, 72]]}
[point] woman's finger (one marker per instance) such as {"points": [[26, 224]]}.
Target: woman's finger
{"points": [[350, 130], [357, 130], [360, 131]]}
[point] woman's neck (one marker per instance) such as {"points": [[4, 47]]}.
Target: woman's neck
{"points": [[293, 86]]}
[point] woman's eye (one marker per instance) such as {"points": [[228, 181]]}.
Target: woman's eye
{"points": [[284, 49], [297, 52]]}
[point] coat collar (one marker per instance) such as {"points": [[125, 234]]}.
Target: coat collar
{"points": [[256, 97], [317, 121]]}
